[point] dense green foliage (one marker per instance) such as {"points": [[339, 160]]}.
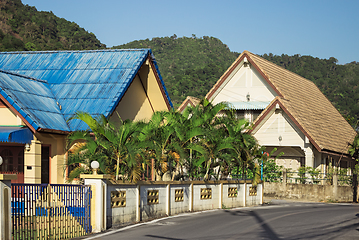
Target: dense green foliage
{"points": [[189, 66], [198, 144], [23, 28]]}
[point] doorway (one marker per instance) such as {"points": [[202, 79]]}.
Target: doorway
{"points": [[45, 164]]}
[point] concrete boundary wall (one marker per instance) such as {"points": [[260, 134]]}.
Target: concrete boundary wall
{"points": [[149, 200], [309, 192], [230, 200]]}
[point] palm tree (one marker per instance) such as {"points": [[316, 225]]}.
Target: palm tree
{"points": [[84, 147], [211, 141], [158, 138], [117, 142], [244, 147]]}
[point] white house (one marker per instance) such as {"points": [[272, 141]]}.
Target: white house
{"points": [[288, 112]]}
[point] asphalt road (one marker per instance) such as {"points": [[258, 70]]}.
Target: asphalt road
{"points": [[278, 221]]}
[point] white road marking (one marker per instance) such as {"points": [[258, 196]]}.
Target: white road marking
{"points": [[147, 223]]}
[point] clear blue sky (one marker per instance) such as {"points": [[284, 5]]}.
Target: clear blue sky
{"points": [[320, 28]]}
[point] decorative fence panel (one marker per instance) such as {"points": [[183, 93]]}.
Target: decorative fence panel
{"points": [[50, 211]]}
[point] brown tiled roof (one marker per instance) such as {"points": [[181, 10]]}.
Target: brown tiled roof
{"points": [[189, 100], [314, 114]]}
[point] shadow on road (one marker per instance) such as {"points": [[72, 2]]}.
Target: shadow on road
{"points": [[268, 232]]}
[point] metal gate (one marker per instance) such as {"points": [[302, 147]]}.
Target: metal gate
{"points": [[50, 211]]}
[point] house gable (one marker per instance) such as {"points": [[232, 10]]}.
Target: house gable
{"points": [[152, 86], [8, 118], [189, 101], [244, 81], [144, 96], [277, 129], [134, 105]]}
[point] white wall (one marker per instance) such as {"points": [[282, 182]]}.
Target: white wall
{"points": [[231, 202], [122, 214], [183, 206], [153, 210], [251, 200], [205, 204], [167, 204], [279, 130], [242, 81]]}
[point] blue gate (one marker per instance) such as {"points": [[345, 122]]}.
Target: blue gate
{"points": [[50, 211]]}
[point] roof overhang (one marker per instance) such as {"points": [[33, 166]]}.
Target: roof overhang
{"points": [[251, 105], [341, 155], [160, 81], [6, 102], [21, 135]]}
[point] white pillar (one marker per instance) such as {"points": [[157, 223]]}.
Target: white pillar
{"points": [[191, 197], [168, 197], [98, 201], [309, 155], [245, 194], [138, 203], [32, 163], [5, 206], [220, 195]]}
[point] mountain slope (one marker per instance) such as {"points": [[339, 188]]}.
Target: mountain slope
{"points": [[22, 27]]}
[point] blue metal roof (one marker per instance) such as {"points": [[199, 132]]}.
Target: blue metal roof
{"points": [[251, 105], [90, 81], [15, 135], [33, 99]]}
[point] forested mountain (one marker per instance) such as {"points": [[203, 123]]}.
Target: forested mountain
{"points": [[23, 28], [191, 66]]}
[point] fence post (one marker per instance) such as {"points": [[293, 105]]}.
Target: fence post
{"points": [[335, 186], [168, 204], [98, 200], [220, 195], [138, 203], [5, 205], [284, 183], [245, 193], [262, 192], [191, 197]]}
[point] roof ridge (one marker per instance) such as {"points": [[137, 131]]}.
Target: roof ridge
{"points": [[71, 51], [279, 67], [23, 76]]}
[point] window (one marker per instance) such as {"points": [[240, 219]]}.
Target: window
{"points": [[7, 156], [20, 161]]}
